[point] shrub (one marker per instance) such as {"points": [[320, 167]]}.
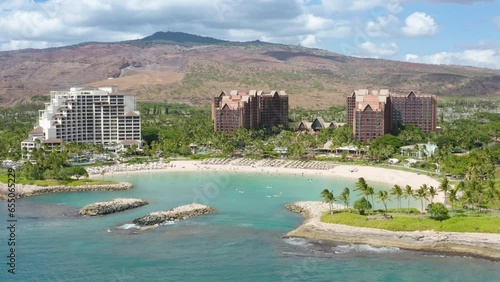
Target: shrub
{"points": [[362, 205], [437, 211]]}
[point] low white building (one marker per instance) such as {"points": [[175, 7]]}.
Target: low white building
{"points": [[419, 150]]}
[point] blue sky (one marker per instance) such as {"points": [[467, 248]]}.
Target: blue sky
{"points": [[463, 32]]}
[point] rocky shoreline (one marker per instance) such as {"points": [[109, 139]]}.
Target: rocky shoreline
{"points": [[34, 190], [483, 245], [175, 214], [113, 206]]}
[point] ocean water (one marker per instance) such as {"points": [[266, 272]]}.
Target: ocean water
{"points": [[241, 242]]}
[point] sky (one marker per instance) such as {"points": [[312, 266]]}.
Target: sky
{"points": [[460, 32]]}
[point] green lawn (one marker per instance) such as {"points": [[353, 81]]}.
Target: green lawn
{"points": [[488, 224]]}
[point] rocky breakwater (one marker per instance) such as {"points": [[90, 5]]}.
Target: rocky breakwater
{"points": [[33, 190], [116, 205], [175, 214]]}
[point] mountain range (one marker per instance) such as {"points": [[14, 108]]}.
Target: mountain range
{"points": [[181, 67]]}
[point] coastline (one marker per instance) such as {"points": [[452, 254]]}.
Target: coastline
{"points": [[23, 191], [312, 168], [370, 174], [483, 245]]}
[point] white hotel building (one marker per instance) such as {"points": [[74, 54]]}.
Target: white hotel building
{"points": [[86, 115]]}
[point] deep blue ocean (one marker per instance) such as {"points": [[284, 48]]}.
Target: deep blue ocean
{"points": [[241, 242]]}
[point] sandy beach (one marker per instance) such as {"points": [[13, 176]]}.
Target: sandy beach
{"points": [[484, 245], [311, 168]]}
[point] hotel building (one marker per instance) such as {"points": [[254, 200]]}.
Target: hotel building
{"points": [[249, 110], [418, 110], [371, 114], [86, 115], [374, 113]]}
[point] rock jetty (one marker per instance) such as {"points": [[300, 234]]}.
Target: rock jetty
{"points": [[116, 205], [34, 190], [175, 214]]}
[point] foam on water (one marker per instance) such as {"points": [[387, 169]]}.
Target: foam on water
{"points": [[343, 249], [298, 242], [167, 223], [127, 226]]}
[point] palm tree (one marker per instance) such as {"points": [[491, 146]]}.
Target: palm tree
{"points": [[432, 192], [384, 197], [460, 186], [370, 192], [444, 187], [421, 194], [467, 200], [344, 197], [407, 194], [361, 185], [452, 197], [328, 198], [492, 193], [365, 190], [398, 192]]}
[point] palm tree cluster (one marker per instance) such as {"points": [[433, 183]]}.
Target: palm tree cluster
{"points": [[365, 189], [330, 198], [473, 194]]}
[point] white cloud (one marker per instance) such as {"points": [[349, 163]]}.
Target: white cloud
{"points": [[61, 22], [464, 2], [23, 44], [489, 58], [411, 57], [374, 50], [381, 26], [315, 23], [309, 41], [419, 24], [330, 6]]}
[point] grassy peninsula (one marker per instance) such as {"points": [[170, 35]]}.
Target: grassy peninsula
{"points": [[482, 224]]}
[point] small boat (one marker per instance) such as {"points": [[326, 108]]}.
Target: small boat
{"points": [[269, 187]]}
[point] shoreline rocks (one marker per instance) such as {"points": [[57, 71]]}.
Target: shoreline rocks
{"points": [[175, 214], [34, 190], [484, 245], [113, 206]]}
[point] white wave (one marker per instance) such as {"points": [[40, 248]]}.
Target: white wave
{"points": [[297, 242], [167, 223], [129, 226], [342, 249], [269, 196]]}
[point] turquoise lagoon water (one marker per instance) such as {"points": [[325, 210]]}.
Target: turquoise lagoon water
{"points": [[241, 242]]}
